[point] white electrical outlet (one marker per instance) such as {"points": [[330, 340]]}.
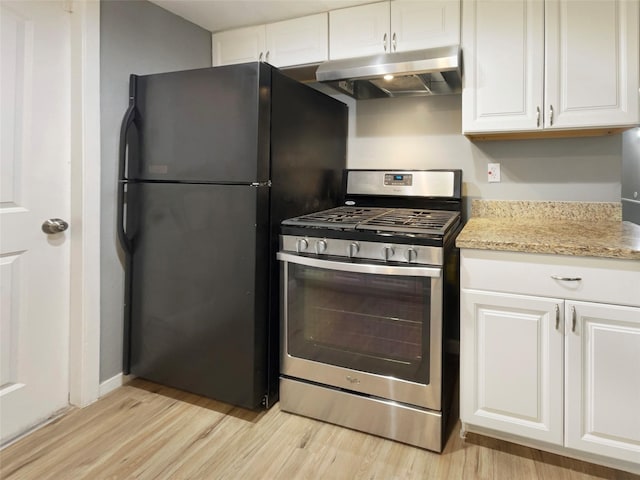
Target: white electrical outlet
{"points": [[493, 172]]}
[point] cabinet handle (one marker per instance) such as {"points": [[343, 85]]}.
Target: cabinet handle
{"points": [[573, 319], [551, 115], [266, 57], [384, 42], [557, 316], [393, 42], [537, 116], [260, 57], [566, 279]]}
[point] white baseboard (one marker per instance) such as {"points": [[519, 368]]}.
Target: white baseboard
{"points": [[114, 382]]}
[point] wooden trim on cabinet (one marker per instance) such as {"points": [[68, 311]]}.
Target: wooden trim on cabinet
{"points": [[590, 132]]}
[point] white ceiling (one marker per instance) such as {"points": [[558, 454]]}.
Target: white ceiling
{"points": [[217, 15]]}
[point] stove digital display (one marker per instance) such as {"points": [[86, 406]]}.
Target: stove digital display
{"points": [[395, 179]]}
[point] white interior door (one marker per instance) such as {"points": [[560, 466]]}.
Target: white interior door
{"points": [[35, 169]]}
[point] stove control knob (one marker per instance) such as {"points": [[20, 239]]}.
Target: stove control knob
{"points": [[301, 245], [354, 248], [410, 255], [321, 246], [387, 252]]}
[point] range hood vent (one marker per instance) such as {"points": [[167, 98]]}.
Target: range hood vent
{"points": [[435, 71]]}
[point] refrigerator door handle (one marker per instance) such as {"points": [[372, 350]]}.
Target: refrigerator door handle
{"points": [[127, 121], [125, 242]]}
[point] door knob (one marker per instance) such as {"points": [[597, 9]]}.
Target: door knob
{"points": [[54, 225]]}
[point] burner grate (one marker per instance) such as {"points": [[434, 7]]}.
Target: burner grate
{"points": [[411, 221], [392, 220], [344, 217]]}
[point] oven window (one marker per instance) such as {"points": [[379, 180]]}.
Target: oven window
{"points": [[372, 323]]}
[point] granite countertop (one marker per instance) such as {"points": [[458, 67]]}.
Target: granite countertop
{"points": [[565, 228]]}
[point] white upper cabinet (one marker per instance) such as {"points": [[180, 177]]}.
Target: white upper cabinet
{"points": [[400, 25], [419, 24], [554, 65], [592, 63], [290, 42], [238, 46], [298, 41], [359, 31], [503, 48]]}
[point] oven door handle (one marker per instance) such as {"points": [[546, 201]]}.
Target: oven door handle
{"points": [[412, 271]]}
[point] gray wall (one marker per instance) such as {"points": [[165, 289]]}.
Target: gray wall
{"points": [[135, 37], [424, 132]]}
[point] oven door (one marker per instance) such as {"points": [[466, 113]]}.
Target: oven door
{"points": [[366, 327]]}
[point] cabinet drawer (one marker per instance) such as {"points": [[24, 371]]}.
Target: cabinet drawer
{"points": [[595, 279]]}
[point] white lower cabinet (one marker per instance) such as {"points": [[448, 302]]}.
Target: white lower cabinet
{"points": [[559, 373], [602, 375], [512, 364]]}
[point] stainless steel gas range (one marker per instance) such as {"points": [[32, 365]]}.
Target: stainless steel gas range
{"points": [[369, 296]]}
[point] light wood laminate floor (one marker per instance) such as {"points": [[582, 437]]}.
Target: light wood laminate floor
{"points": [[147, 431]]}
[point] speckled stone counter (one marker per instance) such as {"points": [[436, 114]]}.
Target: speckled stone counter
{"points": [[565, 228]]}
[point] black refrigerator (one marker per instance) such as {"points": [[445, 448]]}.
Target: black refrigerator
{"points": [[211, 161]]}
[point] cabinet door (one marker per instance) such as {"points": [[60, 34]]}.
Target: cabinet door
{"points": [[504, 65], [359, 31], [592, 55], [416, 24], [603, 380], [511, 364], [238, 46], [298, 41]]}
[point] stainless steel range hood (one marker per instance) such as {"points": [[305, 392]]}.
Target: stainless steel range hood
{"points": [[435, 71]]}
